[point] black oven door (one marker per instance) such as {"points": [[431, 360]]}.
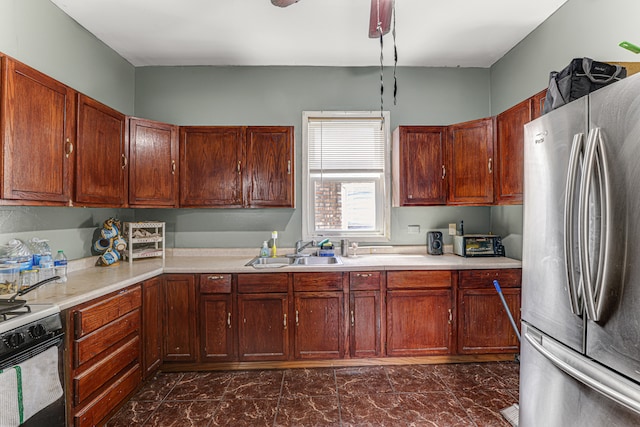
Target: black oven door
{"points": [[54, 414]]}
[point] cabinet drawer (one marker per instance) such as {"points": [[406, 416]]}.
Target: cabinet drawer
{"points": [[215, 283], [102, 372], [418, 279], [508, 278], [364, 281], [94, 316], [99, 408], [98, 341], [263, 283], [317, 281]]}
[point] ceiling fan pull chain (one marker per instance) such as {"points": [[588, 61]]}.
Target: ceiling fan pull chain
{"points": [[381, 72], [395, 57]]}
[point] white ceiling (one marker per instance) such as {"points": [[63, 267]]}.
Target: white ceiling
{"points": [[466, 33]]}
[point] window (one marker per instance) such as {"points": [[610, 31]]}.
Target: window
{"points": [[345, 179]]}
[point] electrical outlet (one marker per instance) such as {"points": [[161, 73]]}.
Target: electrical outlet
{"points": [[413, 229], [452, 229]]}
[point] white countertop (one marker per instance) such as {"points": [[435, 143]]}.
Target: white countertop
{"points": [[92, 282]]}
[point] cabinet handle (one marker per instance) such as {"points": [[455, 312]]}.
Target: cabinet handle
{"points": [[450, 316], [297, 319], [444, 172], [285, 321], [69, 149], [215, 277], [239, 168], [124, 161], [288, 167], [173, 167], [229, 320], [364, 275], [490, 165], [353, 319]]}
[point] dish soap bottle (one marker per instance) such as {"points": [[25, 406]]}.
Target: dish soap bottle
{"points": [[264, 252], [274, 237]]}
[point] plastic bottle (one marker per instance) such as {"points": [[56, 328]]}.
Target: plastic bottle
{"points": [[274, 237], [264, 252], [61, 267]]}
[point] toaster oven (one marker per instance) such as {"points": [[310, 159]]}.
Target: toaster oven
{"points": [[472, 245]]}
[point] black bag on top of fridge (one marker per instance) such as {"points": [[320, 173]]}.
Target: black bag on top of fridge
{"points": [[579, 78]]}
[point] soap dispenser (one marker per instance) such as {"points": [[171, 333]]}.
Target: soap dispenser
{"points": [[264, 252]]}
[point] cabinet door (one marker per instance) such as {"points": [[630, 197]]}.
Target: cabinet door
{"points": [[470, 163], [364, 324], [419, 323], [38, 117], [211, 166], [263, 330], [216, 328], [484, 326], [269, 175], [151, 325], [538, 103], [319, 323], [101, 167], [153, 168], [509, 173], [179, 318], [419, 171]]}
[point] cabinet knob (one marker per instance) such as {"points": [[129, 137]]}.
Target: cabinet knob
{"points": [[364, 274], [444, 172], [124, 161], [285, 321], [450, 316], [173, 167], [229, 320], [490, 165], [215, 277], [288, 167], [297, 319], [239, 168], [353, 319]]}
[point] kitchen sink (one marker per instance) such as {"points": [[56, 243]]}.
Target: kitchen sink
{"points": [[318, 260], [276, 262]]}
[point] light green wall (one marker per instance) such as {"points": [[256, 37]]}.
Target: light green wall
{"points": [[277, 96]]}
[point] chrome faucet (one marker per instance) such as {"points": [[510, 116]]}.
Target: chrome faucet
{"points": [[301, 245]]}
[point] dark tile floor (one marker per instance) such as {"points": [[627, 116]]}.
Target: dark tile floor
{"points": [[410, 395]]}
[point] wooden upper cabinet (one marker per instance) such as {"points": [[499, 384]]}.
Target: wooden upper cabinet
{"points": [[101, 166], [38, 117], [153, 164], [233, 167], [470, 163], [211, 166], [538, 103], [509, 165], [269, 176], [419, 171]]}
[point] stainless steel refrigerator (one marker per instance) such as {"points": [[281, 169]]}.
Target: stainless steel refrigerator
{"points": [[580, 355]]}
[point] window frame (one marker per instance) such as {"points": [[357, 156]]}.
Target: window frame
{"points": [[383, 206]]}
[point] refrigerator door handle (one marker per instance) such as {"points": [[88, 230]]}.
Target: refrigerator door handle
{"points": [[596, 171], [574, 283], [610, 384]]}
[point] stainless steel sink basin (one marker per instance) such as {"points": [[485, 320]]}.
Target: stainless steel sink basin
{"points": [[318, 260], [276, 262], [258, 262]]}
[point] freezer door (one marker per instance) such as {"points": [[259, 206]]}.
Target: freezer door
{"points": [[551, 397], [546, 291], [614, 338]]}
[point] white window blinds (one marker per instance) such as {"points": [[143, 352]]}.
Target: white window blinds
{"points": [[336, 144]]}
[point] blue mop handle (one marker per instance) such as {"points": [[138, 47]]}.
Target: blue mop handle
{"points": [[506, 307]]}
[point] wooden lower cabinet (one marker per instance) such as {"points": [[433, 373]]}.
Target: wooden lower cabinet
{"points": [[319, 321], [105, 353], [365, 321], [483, 324], [263, 316], [179, 318], [151, 325], [217, 318], [419, 313]]}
